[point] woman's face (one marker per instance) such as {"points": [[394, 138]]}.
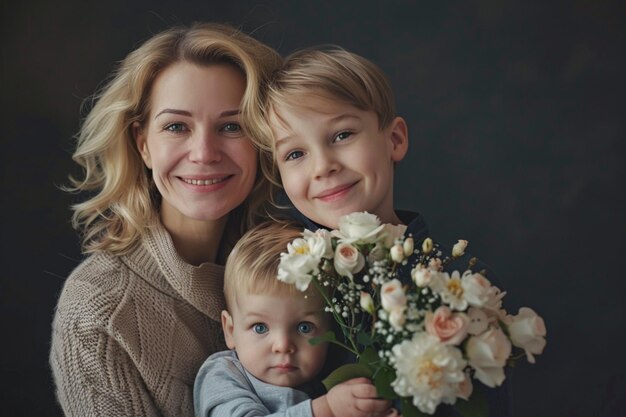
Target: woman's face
{"points": [[202, 163]]}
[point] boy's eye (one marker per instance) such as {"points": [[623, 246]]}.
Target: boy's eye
{"points": [[305, 327], [294, 155], [342, 136], [176, 127], [259, 328]]}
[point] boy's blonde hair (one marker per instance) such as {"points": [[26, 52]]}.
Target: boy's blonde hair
{"points": [[328, 72], [122, 199], [252, 266]]}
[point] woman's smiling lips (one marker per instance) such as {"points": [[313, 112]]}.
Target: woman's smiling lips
{"points": [[204, 182], [335, 193]]}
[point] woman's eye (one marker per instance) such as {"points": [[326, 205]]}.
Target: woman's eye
{"points": [[342, 136], [232, 128], [294, 155], [305, 327], [259, 328], [176, 127]]}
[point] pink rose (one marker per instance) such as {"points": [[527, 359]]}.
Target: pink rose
{"points": [[348, 260], [528, 331], [392, 296], [450, 328], [487, 354]]}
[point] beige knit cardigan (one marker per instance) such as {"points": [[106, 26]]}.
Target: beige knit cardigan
{"points": [[130, 332]]}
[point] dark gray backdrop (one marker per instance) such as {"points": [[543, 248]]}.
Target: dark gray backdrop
{"points": [[516, 143]]}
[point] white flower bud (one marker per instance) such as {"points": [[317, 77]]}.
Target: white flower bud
{"points": [[459, 248], [407, 246], [397, 253], [427, 245], [367, 304]]}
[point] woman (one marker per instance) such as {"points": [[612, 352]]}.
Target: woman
{"points": [[173, 180]]}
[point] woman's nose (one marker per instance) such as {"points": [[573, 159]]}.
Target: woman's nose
{"points": [[205, 147]]}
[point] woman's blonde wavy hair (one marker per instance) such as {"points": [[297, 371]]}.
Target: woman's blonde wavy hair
{"points": [[124, 201]]}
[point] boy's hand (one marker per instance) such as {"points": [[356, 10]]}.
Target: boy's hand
{"points": [[354, 398]]}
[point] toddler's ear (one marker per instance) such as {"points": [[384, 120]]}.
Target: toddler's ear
{"points": [[228, 328], [398, 135]]}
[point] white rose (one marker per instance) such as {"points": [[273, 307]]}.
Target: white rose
{"points": [[421, 276], [297, 269], [487, 354], [475, 288], [528, 331], [392, 296], [348, 260], [320, 242], [391, 233], [459, 248], [361, 226]]}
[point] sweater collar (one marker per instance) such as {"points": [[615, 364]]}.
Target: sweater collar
{"points": [[201, 286]]}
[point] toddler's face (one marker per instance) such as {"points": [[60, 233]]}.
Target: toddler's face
{"points": [[335, 160], [271, 336]]}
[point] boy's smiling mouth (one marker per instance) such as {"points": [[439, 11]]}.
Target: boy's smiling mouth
{"points": [[335, 193]]}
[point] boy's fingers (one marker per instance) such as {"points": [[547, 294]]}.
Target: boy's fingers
{"points": [[359, 380]]}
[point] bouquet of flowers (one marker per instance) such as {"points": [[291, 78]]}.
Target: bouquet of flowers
{"points": [[419, 332]]}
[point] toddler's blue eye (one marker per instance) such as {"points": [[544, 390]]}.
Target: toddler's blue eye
{"points": [[305, 327], [259, 328]]}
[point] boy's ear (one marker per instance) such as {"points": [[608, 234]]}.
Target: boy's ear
{"points": [[140, 142], [398, 134], [228, 328]]}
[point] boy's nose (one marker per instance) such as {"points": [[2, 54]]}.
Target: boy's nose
{"points": [[204, 147], [325, 164], [283, 344]]}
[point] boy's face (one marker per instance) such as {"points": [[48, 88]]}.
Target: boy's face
{"points": [[271, 336], [335, 160]]}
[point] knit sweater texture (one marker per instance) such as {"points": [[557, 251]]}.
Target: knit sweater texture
{"points": [[131, 331]]}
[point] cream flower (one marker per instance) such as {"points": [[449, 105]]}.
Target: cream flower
{"points": [[392, 296], [408, 246], [487, 354], [421, 276], [450, 328], [528, 331], [397, 318], [360, 226], [348, 260], [451, 290], [428, 371], [427, 245]]}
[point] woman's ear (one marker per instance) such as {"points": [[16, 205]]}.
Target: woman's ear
{"points": [[141, 143], [228, 329], [399, 138]]}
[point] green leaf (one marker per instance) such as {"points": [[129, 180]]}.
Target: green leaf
{"points": [[364, 339], [476, 406], [369, 357], [409, 410], [329, 336], [382, 380], [346, 372]]}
